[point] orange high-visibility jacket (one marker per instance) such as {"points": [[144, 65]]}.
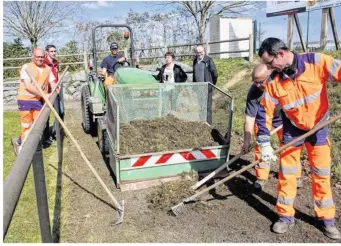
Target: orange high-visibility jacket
{"points": [[41, 79], [303, 99]]}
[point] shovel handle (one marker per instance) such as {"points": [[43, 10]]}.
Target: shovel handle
{"points": [[59, 80], [307, 134], [211, 175], [117, 205]]}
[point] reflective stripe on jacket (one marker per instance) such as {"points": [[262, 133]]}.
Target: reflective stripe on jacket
{"points": [[304, 98], [41, 78]]}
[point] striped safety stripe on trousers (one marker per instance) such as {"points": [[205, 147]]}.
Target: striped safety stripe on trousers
{"points": [[319, 159]]}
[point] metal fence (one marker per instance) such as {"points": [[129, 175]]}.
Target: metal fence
{"points": [[142, 54], [31, 152]]}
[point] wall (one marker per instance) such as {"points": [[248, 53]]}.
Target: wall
{"points": [[223, 28]]}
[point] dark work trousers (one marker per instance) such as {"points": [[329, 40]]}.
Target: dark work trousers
{"points": [[51, 132]]}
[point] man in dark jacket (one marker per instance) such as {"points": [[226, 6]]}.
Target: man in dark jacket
{"points": [[204, 69], [171, 72]]}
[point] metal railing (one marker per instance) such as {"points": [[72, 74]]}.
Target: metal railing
{"points": [[155, 52], [31, 152]]}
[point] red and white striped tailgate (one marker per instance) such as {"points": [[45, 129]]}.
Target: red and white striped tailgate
{"points": [[173, 158]]}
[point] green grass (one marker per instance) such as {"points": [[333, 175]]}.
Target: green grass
{"points": [[24, 227]]}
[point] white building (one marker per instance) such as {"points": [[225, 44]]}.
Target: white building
{"points": [[227, 28]]}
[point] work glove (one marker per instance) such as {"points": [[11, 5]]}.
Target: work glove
{"points": [[267, 152]]}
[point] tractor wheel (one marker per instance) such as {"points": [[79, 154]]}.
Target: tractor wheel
{"points": [[102, 139], [87, 121]]}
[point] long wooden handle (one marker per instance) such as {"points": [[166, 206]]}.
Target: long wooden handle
{"points": [[211, 175], [117, 205], [34, 122], [307, 134]]}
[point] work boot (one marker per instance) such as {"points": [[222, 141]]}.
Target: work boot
{"points": [[299, 182], [331, 232], [15, 145], [282, 227], [259, 184], [47, 143]]}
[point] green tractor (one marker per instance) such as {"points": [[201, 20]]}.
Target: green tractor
{"points": [[93, 94]]}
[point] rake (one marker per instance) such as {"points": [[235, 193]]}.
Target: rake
{"points": [[176, 208], [119, 206], [211, 175], [34, 122]]}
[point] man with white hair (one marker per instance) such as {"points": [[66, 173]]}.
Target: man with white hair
{"points": [[204, 70]]}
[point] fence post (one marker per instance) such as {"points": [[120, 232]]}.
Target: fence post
{"points": [[41, 196], [85, 61], [126, 53], [251, 47], [166, 49], [207, 47]]}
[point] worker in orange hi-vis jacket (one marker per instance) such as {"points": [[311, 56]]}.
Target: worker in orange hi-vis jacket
{"points": [[259, 75], [29, 100], [298, 84]]}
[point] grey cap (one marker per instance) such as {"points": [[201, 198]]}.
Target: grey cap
{"points": [[113, 45]]}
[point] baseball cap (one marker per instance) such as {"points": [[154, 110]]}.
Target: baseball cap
{"points": [[114, 45]]}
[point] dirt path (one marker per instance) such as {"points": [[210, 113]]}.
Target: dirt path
{"points": [[236, 79], [233, 214]]}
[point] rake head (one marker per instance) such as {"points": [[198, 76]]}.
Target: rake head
{"points": [[120, 211], [176, 209]]}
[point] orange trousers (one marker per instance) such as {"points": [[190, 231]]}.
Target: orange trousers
{"points": [[26, 119], [320, 163]]}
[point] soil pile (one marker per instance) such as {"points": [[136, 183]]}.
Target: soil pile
{"points": [[163, 134], [169, 194], [165, 196]]}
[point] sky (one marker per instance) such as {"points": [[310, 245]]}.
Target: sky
{"points": [[116, 11]]}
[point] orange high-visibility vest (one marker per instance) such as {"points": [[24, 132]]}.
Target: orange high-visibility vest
{"points": [[41, 79], [304, 98]]}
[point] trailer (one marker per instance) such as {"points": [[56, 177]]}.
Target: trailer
{"points": [[199, 102]]}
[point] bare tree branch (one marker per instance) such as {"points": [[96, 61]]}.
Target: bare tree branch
{"points": [[36, 19], [201, 11]]}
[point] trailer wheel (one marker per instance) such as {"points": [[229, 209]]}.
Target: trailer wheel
{"points": [[87, 120], [102, 139]]}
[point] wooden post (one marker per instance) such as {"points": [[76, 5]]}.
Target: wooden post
{"points": [[334, 29], [166, 49], [207, 48], [126, 53], [324, 29], [85, 61], [299, 30], [251, 47], [290, 32]]}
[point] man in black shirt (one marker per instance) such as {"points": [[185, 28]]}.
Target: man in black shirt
{"points": [[110, 64], [259, 76]]}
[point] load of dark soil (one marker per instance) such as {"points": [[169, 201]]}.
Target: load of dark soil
{"points": [[163, 134]]}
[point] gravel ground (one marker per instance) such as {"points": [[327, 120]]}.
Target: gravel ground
{"points": [[231, 214]]}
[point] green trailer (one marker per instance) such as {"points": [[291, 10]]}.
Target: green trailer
{"points": [[130, 102]]}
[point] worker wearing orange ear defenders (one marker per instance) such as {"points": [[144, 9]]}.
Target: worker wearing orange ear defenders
{"points": [[298, 84], [110, 64]]}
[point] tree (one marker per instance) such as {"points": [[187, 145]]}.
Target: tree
{"points": [[70, 48], [34, 20], [15, 49], [201, 11]]}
